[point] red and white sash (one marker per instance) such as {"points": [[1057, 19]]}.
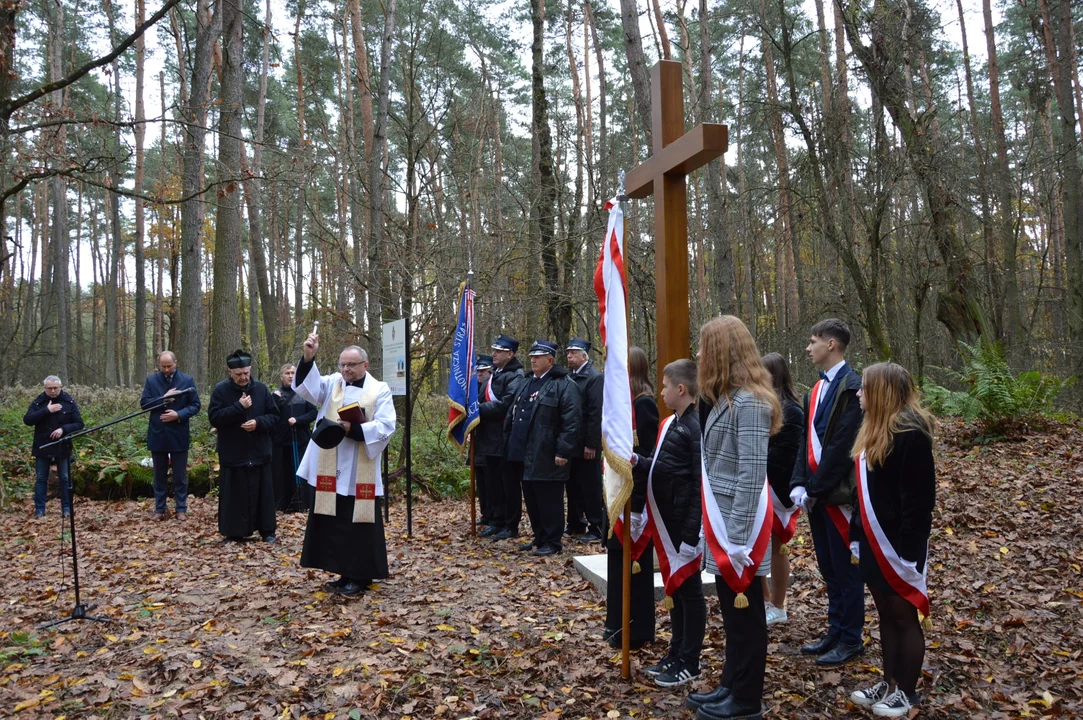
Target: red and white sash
{"points": [[714, 530], [640, 537], [902, 575], [839, 514], [673, 573], [488, 397], [785, 520]]}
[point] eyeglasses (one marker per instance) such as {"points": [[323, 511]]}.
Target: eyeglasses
{"points": [[349, 366]]}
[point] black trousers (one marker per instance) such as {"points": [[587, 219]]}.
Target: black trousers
{"points": [[641, 623], [845, 591], [746, 642], [513, 495], [494, 489], [576, 524], [481, 485], [688, 619], [586, 487], [545, 507]]}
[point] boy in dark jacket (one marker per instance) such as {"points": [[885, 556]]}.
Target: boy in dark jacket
{"points": [[822, 470], [674, 481], [53, 414]]}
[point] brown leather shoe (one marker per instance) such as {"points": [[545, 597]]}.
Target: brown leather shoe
{"points": [[161, 516], [182, 516]]}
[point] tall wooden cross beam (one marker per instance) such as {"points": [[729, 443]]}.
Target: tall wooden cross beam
{"points": [[675, 155]]}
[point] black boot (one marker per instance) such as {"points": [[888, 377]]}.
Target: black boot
{"points": [[731, 709], [697, 700], [820, 646]]}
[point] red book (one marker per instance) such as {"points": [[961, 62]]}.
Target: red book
{"points": [[352, 414]]}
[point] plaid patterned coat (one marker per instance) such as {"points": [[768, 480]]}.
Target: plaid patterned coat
{"points": [[735, 438]]}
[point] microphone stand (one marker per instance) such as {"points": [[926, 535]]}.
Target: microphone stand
{"points": [[79, 612]]}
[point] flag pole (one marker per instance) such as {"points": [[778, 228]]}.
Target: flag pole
{"points": [[472, 437], [626, 540]]}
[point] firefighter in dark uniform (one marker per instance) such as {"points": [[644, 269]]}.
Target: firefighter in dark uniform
{"points": [[585, 484]]}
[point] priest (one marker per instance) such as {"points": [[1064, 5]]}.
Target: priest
{"points": [[345, 532], [244, 413]]}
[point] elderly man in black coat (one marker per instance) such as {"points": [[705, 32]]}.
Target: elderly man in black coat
{"points": [[168, 436], [541, 435], [505, 494], [53, 414], [245, 414], [585, 485]]}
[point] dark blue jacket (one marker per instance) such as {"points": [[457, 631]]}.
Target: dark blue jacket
{"points": [[169, 436], [44, 423]]}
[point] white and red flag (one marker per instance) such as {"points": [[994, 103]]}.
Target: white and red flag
{"points": [[839, 514], [611, 286]]}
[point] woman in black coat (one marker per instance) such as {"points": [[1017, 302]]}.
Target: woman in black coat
{"points": [[782, 452], [890, 527], [641, 626], [290, 439]]}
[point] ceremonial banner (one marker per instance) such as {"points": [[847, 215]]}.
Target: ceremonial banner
{"points": [[611, 286], [462, 383]]}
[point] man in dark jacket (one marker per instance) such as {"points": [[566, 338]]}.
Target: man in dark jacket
{"points": [[290, 440], [168, 436], [53, 414], [585, 485], [823, 465], [244, 413], [540, 437], [505, 492]]}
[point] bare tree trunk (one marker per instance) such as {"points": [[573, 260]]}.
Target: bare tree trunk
{"points": [[379, 277], [667, 54], [718, 231], [59, 187], [191, 338], [1013, 324], [604, 164], [112, 373], [637, 63], [302, 155], [140, 333], [363, 170], [225, 317]]}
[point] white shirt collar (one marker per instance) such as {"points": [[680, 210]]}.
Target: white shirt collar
{"points": [[539, 377], [834, 371]]}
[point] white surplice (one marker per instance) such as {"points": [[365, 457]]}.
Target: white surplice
{"points": [[378, 430]]}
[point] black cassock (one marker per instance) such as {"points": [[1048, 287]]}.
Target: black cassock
{"points": [[245, 489], [246, 501], [337, 544]]}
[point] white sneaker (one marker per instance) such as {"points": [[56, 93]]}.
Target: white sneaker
{"points": [[776, 615], [870, 695], [894, 705]]}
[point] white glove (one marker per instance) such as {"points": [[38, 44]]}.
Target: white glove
{"points": [[687, 554], [800, 497], [855, 549], [740, 560], [639, 521]]}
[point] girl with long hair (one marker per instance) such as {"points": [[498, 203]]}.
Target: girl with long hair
{"points": [[740, 411], [781, 454], [896, 490]]}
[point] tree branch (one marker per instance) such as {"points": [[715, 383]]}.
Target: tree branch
{"points": [[43, 90]]}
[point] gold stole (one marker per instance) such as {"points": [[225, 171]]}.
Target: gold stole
{"points": [[364, 509]]}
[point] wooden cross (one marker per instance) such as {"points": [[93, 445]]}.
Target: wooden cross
{"points": [[675, 155]]}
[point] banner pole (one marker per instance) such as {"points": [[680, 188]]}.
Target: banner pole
{"points": [[626, 595], [473, 489]]}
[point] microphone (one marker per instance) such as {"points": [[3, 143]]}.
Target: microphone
{"points": [[174, 396]]}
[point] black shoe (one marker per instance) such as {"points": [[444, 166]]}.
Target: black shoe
{"points": [[351, 589], [697, 700], [615, 642], [335, 585], [821, 646], [505, 534], [574, 530], [609, 632], [591, 536], [526, 547], [730, 709], [38, 514], [490, 531], [270, 539], [841, 653], [667, 663], [547, 550]]}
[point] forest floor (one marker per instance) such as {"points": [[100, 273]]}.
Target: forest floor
{"points": [[472, 629]]}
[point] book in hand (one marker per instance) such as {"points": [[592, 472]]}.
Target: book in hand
{"points": [[352, 414]]}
